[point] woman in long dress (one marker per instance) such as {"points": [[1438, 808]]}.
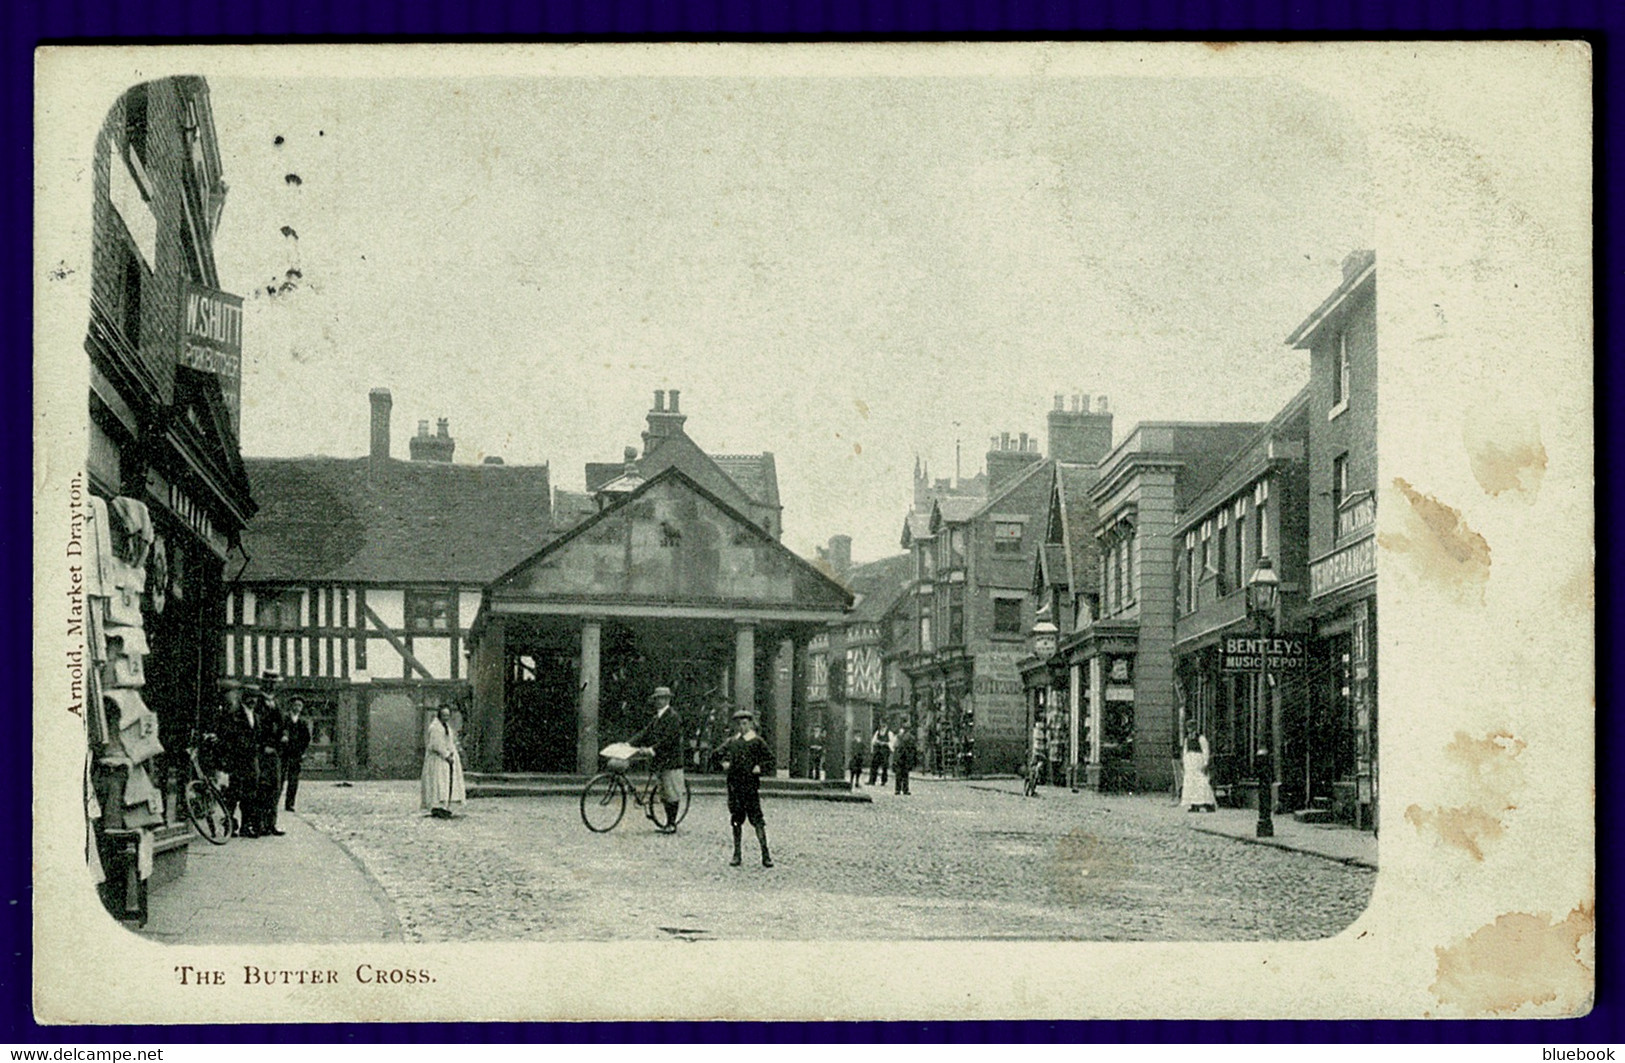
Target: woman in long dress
{"points": [[1197, 793], [442, 768]]}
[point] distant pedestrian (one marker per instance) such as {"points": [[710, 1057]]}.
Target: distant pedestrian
{"points": [[1197, 793], [815, 754], [663, 740], [855, 750], [879, 755], [746, 758], [443, 789], [295, 740], [903, 757], [1055, 738]]}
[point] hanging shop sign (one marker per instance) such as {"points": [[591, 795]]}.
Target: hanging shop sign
{"points": [[212, 339], [1245, 653]]}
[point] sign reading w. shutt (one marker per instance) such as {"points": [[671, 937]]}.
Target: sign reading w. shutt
{"points": [[1246, 653], [212, 339]]}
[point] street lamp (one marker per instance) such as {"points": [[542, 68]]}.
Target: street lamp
{"points": [[1263, 594]]}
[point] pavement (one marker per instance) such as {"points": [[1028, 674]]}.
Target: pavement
{"points": [[302, 887], [955, 860], [1357, 848]]}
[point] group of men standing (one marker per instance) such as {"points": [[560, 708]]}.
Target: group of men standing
{"points": [[259, 747], [891, 749]]}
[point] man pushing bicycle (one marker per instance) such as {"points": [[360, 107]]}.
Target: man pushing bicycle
{"points": [[663, 740]]}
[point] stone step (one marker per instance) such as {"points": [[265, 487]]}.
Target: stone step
{"points": [[1313, 815]]}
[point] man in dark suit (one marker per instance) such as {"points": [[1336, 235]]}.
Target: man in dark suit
{"points": [[268, 734], [234, 746], [295, 740], [663, 737]]}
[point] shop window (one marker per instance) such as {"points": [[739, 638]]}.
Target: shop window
{"points": [[1007, 537], [428, 611], [1007, 616], [277, 609]]}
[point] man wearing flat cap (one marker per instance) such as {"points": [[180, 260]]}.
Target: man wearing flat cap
{"points": [[663, 738], [746, 758]]}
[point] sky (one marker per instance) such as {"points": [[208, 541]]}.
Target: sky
{"points": [[848, 272]]}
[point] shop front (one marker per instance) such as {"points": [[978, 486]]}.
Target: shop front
{"points": [[1342, 757]]}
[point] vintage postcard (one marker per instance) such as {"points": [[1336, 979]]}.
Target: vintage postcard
{"points": [[948, 531]]}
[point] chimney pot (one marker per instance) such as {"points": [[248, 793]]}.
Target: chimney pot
{"points": [[1004, 441], [1024, 442], [1102, 407], [660, 401], [1060, 402], [423, 428], [445, 428], [674, 394]]}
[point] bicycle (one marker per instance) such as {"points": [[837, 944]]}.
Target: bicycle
{"points": [[204, 807], [603, 799]]}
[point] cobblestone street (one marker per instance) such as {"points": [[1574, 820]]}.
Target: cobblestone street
{"points": [[951, 861]]}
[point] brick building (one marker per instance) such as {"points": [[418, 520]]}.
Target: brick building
{"points": [[1257, 507], [1341, 338], [166, 493], [1120, 656], [972, 600]]}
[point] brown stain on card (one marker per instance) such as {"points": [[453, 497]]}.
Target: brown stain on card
{"points": [[1439, 543], [1519, 959], [1504, 450], [1493, 776], [1083, 867]]}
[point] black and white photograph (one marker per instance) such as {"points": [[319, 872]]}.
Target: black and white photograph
{"points": [[875, 531]]}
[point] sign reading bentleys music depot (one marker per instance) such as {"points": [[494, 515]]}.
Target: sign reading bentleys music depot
{"points": [[1242, 653], [212, 339]]}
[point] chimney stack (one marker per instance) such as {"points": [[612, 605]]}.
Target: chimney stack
{"points": [[1080, 436], [439, 447], [381, 403], [1008, 459], [839, 554], [663, 422]]}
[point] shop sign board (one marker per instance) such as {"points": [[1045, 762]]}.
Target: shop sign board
{"points": [[1001, 704], [1349, 565], [212, 339], [1245, 653]]}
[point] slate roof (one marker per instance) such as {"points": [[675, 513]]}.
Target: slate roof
{"points": [[957, 509], [876, 585], [571, 508], [1079, 514], [345, 519], [756, 475]]}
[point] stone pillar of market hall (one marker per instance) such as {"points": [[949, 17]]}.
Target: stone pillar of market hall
{"points": [[587, 707]]}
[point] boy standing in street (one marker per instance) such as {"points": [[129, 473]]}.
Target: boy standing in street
{"points": [[745, 757]]}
